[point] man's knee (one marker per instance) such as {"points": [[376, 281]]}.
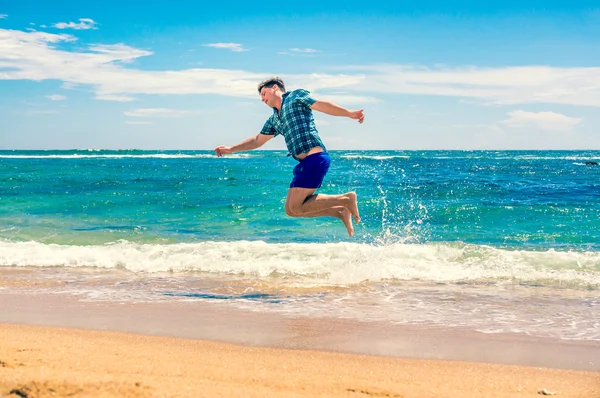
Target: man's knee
{"points": [[289, 212], [295, 201]]}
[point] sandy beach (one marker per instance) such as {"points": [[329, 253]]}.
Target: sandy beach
{"points": [[224, 199], [45, 361], [55, 345]]}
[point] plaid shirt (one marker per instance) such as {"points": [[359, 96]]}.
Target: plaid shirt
{"points": [[295, 123]]}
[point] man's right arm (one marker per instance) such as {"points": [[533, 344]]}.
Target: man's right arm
{"points": [[248, 145]]}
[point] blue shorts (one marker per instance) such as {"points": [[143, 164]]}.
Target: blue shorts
{"points": [[311, 170]]}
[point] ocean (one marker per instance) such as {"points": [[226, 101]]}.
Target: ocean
{"points": [[490, 241]]}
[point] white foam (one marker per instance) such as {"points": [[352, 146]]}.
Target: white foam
{"points": [[535, 157], [326, 263], [375, 157], [123, 156]]}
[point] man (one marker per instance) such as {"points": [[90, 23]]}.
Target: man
{"points": [[292, 117]]}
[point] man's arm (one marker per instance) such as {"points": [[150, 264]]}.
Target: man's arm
{"points": [[335, 110], [251, 143]]}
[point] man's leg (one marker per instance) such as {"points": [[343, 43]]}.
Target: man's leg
{"points": [[339, 212], [301, 202]]}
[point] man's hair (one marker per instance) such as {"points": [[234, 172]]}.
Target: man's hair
{"points": [[270, 82]]}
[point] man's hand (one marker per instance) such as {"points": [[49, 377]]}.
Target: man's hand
{"points": [[223, 150], [357, 115]]}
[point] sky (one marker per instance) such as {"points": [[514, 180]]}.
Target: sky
{"points": [[178, 75]]}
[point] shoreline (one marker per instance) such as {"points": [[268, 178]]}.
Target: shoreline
{"points": [[221, 323]]}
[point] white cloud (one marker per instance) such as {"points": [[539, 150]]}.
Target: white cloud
{"points": [[118, 98], [321, 81], [3, 16], [56, 97], [158, 112], [129, 122], [346, 99], [33, 56], [235, 47], [501, 86], [548, 121], [84, 24], [69, 86], [300, 51], [121, 52], [305, 50]]}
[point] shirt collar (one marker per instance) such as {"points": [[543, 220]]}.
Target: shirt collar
{"points": [[283, 97]]}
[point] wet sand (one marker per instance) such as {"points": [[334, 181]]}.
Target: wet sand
{"points": [[217, 321]]}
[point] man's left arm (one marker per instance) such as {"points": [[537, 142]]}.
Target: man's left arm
{"points": [[335, 110]]}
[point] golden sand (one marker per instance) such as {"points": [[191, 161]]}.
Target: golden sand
{"points": [[57, 362]]}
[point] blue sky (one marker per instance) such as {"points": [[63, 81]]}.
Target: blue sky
{"points": [[178, 75]]}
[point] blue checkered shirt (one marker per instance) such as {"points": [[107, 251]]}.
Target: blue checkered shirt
{"points": [[295, 123]]}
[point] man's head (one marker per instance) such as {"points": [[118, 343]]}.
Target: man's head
{"points": [[271, 90]]}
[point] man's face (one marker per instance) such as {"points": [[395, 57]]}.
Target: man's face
{"points": [[269, 95]]}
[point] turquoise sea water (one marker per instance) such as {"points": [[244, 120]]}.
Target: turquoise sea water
{"points": [[495, 235]]}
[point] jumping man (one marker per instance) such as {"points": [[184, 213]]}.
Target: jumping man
{"points": [[292, 117]]}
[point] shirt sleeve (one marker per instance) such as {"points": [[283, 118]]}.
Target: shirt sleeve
{"points": [[303, 96], [268, 128]]}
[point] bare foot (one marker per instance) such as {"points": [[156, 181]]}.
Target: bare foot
{"points": [[353, 206], [346, 218]]}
